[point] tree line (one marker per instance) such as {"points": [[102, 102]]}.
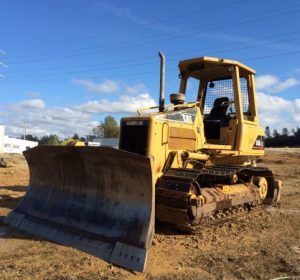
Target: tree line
{"points": [[108, 128], [284, 139]]}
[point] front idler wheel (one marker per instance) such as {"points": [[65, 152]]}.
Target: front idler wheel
{"points": [[262, 185]]}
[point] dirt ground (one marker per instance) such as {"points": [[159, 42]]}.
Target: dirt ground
{"points": [[260, 244]]}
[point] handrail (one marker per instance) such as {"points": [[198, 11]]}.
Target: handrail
{"points": [[189, 104]]}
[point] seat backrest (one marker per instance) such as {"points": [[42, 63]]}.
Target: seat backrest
{"points": [[219, 110]]}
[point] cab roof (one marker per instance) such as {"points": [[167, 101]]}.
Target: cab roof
{"points": [[211, 67]]}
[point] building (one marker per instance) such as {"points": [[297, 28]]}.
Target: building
{"points": [[112, 142], [2, 133], [13, 145], [17, 146], [93, 144]]}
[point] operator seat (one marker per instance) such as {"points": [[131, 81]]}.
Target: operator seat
{"points": [[217, 118]]}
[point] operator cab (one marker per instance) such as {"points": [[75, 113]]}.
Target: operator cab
{"points": [[225, 95]]}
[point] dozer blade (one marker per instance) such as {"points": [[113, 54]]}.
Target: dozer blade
{"points": [[97, 199]]}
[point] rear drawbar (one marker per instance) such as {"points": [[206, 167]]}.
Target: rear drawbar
{"points": [[97, 199]]}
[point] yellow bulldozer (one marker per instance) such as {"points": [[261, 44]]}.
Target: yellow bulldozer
{"points": [[182, 164]]}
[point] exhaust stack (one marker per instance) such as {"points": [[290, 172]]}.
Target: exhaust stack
{"points": [[162, 82]]}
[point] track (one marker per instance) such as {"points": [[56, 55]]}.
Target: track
{"points": [[232, 218], [187, 198]]}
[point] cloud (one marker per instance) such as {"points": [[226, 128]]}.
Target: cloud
{"points": [[110, 86], [278, 112], [33, 104], [40, 119], [296, 111], [285, 85], [269, 103], [136, 89], [107, 86], [272, 84], [125, 104], [62, 121], [265, 81], [80, 118], [274, 111]]}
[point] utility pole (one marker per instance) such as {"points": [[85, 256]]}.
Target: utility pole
{"points": [[24, 130]]}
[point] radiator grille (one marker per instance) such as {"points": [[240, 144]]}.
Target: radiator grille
{"points": [[134, 137]]}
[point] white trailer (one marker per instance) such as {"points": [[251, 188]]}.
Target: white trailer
{"points": [[2, 132], [17, 146]]}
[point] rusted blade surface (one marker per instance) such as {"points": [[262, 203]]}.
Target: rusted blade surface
{"points": [[97, 199]]}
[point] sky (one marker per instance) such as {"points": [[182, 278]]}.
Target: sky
{"points": [[65, 65]]}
